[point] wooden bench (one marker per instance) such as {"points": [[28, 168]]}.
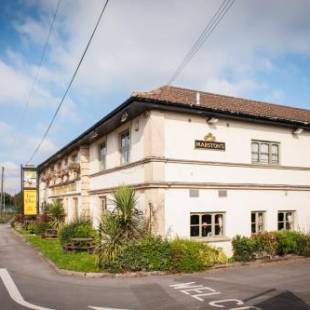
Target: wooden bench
{"points": [[79, 245], [50, 234]]}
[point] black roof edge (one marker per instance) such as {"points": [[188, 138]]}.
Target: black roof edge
{"points": [[89, 130], [155, 103]]}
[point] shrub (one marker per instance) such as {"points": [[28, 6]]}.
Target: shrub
{"points": [[265, 244], [38, 228], [156, 254], [148, 254], [189, 256], [288, 242], [271, 244], [78, 229], [244, 248], [303, 245]]}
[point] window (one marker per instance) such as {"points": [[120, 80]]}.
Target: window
{"points": [[285, 220], [102, 152], [264, 152], [103, 203], [257, 222], [124, 147], [206, 224]]}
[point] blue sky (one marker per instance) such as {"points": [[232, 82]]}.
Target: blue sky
{"points": [[261, 50]]}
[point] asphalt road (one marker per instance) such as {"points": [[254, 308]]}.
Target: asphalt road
{"points": [[25, 278]]}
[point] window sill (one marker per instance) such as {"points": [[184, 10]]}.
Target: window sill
{"points": [[211, 239], [265, 164]]}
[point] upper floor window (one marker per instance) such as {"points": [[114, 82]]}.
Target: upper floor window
{"points": [[206, 224], [257, 222], [74, 158], [124, 147], [103, 203], [102, 152], [285, 220], [264, 152]]}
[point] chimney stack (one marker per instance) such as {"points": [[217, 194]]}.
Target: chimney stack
{"points": [[198, 98]]}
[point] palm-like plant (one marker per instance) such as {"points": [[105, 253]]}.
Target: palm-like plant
{"points": [[56, 213], [119, 226], [127, 215]]}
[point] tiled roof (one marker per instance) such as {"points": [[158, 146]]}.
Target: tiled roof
{"points": [[233, 105]]}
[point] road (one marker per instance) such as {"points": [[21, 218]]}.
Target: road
{"points": [[28, 282]]}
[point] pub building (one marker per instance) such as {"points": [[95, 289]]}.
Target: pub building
{"points": [[206, 166]]}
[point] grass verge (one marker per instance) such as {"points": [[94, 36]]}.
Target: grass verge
{"points": [[52, 249]]}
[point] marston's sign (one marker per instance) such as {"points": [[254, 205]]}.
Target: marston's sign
{"points": [[209, 143]]}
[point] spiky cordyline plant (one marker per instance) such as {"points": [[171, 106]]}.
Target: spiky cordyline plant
{"points": [[117, 227]]}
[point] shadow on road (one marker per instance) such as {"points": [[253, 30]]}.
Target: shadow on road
{"points": [[284, 301]]}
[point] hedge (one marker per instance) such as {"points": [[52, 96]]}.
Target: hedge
{"points": [[269, 244], [157, 254]]}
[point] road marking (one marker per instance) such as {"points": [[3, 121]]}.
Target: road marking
{"points": [[14, 292], [202, 293], [104, 308]]}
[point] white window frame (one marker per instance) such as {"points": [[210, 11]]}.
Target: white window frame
{"points": [[256, 223], [102, 157], [103, 203], [269, 154], [200, 225], [285, 221], [124, 148]]}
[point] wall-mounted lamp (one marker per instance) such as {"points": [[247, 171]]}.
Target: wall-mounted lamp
{"points": [[93, 135], [298, 131], [212, 120], [124, 117]]}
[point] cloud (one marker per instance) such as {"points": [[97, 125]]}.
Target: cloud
{"points": [[225, 87], [141, 50], [276, 95], [17, 147]]}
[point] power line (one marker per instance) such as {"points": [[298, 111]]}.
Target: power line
{"points": [[207, 31], [69, 85], [40, 64]]}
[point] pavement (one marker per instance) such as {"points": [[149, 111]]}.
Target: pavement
{"points": [[27, 281]]}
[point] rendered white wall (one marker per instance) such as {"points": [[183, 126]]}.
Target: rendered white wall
{"points": [[180, 135], [113, 158], [237, 207], [176, 172]]}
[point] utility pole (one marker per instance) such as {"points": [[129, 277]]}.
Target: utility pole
{"points": [[2, 178]]}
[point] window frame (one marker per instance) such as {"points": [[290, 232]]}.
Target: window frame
{"points": [[256, 222], [259, 154], [103, 203], [102, 160], [213, 224], [285, 222], [122, 149]]}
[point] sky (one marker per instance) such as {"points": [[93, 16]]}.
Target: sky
{"points": [[261, 50]]}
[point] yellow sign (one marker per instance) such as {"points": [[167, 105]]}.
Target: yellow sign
{"points": [[30, 202]]}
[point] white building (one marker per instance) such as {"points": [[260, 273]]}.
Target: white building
{"points": [[206, 166]]}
